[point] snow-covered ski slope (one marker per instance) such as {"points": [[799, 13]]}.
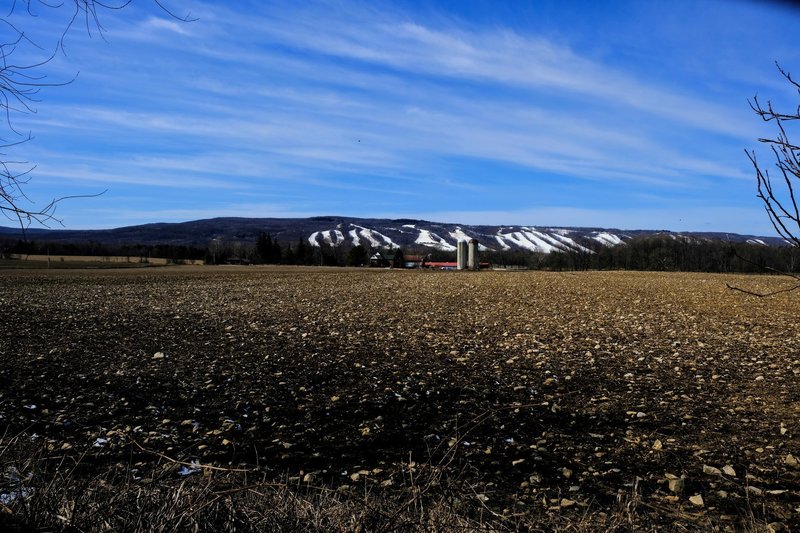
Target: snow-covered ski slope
{"points": [[444, 237]]}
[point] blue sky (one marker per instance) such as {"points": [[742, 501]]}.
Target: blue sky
{"points": [[631, 115]]}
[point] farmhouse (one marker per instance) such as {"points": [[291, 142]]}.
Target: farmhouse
{"points": [[382, 259], [378, 260]]}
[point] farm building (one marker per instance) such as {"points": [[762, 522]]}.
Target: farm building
{"points": [[378, 260], [382, 259]]}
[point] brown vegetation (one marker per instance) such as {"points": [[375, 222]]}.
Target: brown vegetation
{"points": [[392, 400]]}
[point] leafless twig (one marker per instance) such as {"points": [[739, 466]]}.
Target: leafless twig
{"points": [[20, 86], [184, 463], [778, 195], [765, 269]]}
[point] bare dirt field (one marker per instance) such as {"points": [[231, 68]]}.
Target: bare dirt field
{"points": [[261, 398]]}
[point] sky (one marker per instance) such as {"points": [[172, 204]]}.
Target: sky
{"points": [[618, 114]]}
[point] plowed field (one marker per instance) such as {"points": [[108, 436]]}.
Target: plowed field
{"points": [[664, 400]]}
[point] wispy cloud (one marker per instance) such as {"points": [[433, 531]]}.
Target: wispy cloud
{"points": [[158, 23], [500, 57], [362, 105]]}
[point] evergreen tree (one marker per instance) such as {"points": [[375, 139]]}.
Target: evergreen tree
{"points": [[357, 256], [399, 260], [276, 254], [262, 247], [268, 249], [289, 257]]}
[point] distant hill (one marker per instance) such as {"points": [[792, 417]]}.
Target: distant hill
{"points": [[385, 233]]}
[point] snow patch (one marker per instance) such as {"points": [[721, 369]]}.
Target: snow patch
{"points": [[502, 243], [376, 238], [354, 235], [432, 240], [333, 237], [459, 235], [530, 239], [358, 235], [571, 244], [607, 239], [539, 241], [550, 240]]}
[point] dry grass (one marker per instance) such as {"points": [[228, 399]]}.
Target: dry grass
{"points": [[52, 495]]}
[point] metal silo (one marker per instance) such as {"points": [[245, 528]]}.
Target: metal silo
{"points": [[472, 262], [461, 257]]}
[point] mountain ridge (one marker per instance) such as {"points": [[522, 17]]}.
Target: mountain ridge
{"points": [[334, 230]]}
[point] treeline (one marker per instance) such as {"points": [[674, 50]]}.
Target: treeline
{"points": [[267, 250], [662, 253], [175, 253]]}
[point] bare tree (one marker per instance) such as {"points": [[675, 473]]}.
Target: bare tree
{"points": [[777, 190], [20, 85], [778, 195]]}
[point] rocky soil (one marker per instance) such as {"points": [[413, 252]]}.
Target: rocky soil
{"points": [[667, 399]]}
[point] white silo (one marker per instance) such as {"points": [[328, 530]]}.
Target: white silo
{"points": [[461, 255], [472, 261]]}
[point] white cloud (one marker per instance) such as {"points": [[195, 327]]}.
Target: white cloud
{"points": [[574, 116], [174, 26], [321, 99], [499, 57]]}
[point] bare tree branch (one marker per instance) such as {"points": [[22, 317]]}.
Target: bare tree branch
{"points": [[762, 294], [765, 269], [778, 194], [20, 86]]}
